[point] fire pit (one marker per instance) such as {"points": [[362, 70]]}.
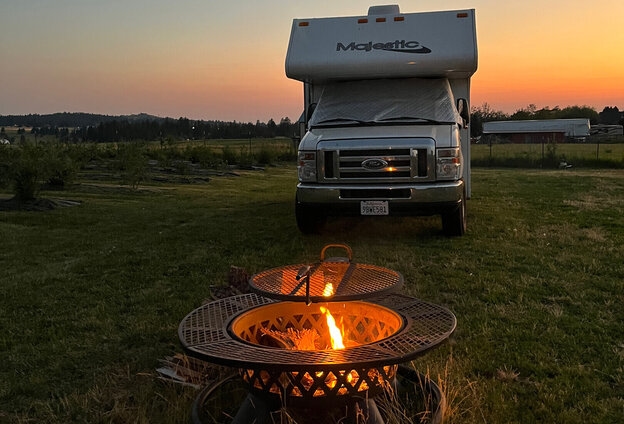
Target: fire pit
{"points": [[304, 329], [313, 349]]}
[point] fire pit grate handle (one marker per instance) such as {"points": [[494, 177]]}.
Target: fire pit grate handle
{"points": [[339, 246]]}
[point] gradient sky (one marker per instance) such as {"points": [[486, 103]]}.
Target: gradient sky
{"points": [[224, 60]]}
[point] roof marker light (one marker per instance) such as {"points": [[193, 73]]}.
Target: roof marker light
{"points": [[462, 15], [380, 19], [399, 18], [304, 23], [362, 21]]}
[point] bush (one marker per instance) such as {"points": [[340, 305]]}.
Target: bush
{"points": [[266, 156], [203, 155], [82, 154], [60, 168], [25, 170], [229, 156], [7, 154], [27, 166], [133, 163]]}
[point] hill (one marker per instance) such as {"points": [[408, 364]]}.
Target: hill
{"points": [[69, 119]]}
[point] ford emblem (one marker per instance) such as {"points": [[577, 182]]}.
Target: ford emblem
{"points": [[374, 163]]}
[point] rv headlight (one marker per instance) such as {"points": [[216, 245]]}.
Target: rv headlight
{"points": [[449, 164], [306, 166]]}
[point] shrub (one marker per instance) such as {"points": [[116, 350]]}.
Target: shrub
{"points": [[28, 172], [24, 169], [266, 155], [133, 163], [7, 154], [26, 166], [203, 155], [60, 168], [229, 155]]}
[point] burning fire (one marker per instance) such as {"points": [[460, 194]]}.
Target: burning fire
{"points": [[334, 332], [329, 290]]}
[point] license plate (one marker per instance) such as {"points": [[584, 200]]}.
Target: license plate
{"points": [[374, 207]]}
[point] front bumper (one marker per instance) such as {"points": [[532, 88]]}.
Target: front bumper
{"points": [[403, 199]]}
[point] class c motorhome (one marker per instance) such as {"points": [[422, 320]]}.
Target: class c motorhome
{"points": [[385, 127]]}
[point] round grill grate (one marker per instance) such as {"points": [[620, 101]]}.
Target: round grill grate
{"points": [[347, 280], [204, 333]]}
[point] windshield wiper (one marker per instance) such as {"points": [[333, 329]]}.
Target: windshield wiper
{"points": [[410, 119], [397, 120], [339, 122]]}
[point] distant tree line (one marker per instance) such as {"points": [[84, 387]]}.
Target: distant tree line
{"points": [[182, 128], [484, 113], [85, 127], [65, 119], [143, 127]]}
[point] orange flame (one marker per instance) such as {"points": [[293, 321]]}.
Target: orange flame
{"points": [[334, 332], [329, 290]]}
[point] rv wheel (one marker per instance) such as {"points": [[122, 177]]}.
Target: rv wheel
{"points": [[454, 223]]}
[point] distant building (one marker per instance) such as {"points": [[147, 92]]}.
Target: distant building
{"points": [[607, 130], [538, 131]]}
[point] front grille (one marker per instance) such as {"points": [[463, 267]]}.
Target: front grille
{"points": [[396, 161]]}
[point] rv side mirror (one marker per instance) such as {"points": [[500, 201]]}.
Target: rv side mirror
{"points": [[302, 130], [311, 110], [462, 108]]}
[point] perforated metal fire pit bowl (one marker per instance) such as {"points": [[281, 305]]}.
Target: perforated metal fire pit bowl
{"points": [[380, 333]]}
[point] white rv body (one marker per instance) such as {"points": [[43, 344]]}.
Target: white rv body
{"points": [[386, 100]]}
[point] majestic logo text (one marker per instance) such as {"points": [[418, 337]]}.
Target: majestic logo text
{"points": [[400, 46]]}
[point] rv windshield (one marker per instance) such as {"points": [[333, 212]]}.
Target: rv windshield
{"points": [[386, 101]]}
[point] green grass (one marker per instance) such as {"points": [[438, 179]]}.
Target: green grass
{"points": [[92, 295], [583, 155]]}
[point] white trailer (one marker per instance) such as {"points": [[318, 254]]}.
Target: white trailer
{"points": [[571, 128], [386, 114]]}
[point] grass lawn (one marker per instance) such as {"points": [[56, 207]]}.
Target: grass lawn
{"points": [[92, 295], [584, 155]]}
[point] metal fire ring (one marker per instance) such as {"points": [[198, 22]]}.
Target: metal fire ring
{"points": [[204, 334], [307, 282]]}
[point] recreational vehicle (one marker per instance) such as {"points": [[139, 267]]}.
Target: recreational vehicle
{"points": [[385, 127]]}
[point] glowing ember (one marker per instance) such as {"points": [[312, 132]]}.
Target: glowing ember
{"points": [[334, 331], [293, 339]]}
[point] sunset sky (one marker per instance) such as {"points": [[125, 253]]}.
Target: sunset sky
{"points": [[224, 60]]}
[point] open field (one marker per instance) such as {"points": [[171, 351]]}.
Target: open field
{"points": [[586, 155], [93, 294]]}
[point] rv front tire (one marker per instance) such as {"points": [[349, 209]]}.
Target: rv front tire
{"points": [[309, 220], [454, 223]]}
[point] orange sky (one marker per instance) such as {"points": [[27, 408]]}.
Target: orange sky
{"points": [[204, 59], [560, 54]]}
